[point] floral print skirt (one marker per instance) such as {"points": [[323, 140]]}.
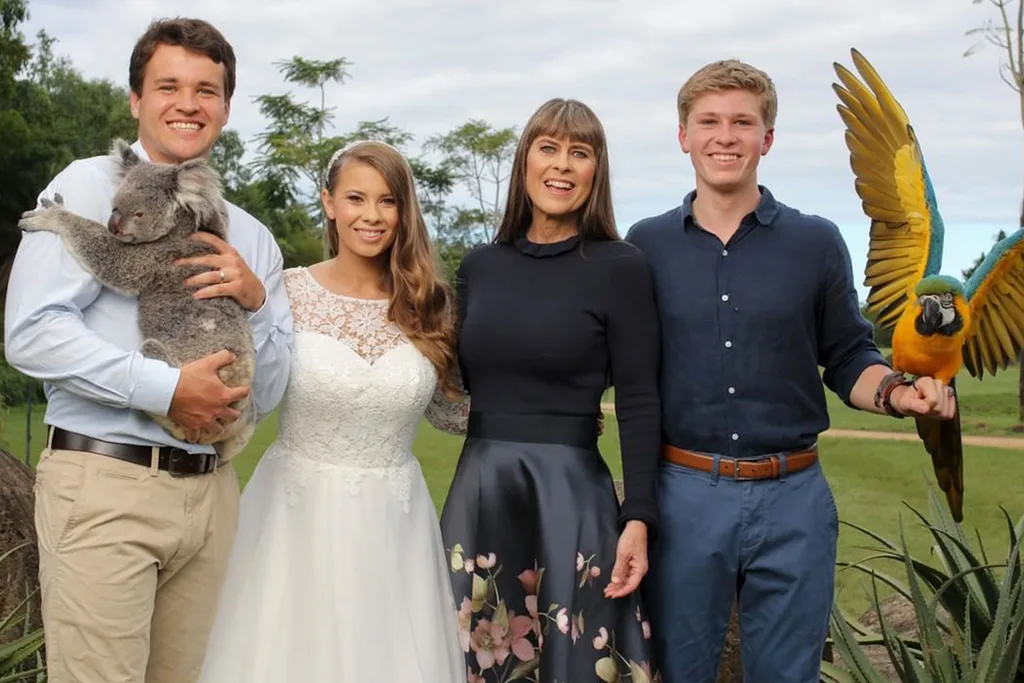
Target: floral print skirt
{"points": [[530, 529]]}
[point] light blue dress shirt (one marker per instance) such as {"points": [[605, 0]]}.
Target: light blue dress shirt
{"points": [[82, 339]]}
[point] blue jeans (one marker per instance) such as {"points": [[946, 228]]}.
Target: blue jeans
{"points": [[772, 543]]}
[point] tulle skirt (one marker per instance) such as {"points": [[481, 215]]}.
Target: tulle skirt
{"points": [[337, 575]]}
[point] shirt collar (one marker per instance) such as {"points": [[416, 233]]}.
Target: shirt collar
{"points": [[765, 211], [140, 150], [541, 250]]}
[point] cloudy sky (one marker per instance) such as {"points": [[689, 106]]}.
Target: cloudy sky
{"points": [[431, 65]]}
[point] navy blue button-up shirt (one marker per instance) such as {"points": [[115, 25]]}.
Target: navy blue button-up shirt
{"points": [[746, 325]]}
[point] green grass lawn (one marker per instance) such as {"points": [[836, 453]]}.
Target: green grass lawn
{"points": [[870, 480], [987, 407]]}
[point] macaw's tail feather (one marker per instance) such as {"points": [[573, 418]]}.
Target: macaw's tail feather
{"points": [[942, 439]]}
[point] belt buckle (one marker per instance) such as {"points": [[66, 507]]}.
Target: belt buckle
{"points": [[736, 476], [772, 460], [180, 457]]}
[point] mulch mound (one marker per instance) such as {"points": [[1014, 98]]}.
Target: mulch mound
{"points": [[19, 574]]}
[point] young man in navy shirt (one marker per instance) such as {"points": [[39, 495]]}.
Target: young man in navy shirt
{"points": [[753, 296]]}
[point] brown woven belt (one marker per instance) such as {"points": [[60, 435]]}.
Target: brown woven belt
{"points": [[769, 467]]}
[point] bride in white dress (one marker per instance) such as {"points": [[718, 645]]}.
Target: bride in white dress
{"points": [[338, 573]]}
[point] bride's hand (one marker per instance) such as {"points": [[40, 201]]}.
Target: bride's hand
{"points": [[630, 560]]}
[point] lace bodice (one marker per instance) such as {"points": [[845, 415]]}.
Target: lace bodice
{"points": [[358, 323], [357, 391]]}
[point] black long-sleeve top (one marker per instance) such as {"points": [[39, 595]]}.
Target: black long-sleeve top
{"points": [[543, 326]]}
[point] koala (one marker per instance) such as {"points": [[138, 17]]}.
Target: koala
{"points": [[155, 209]]}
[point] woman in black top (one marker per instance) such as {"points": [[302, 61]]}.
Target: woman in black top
{"points": [[544, 563]]}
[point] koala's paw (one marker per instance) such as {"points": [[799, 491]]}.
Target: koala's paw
{"points": [[43, 218], [58, 201]]}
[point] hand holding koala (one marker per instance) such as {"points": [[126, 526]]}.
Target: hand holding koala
{"points": [[238, 281], [146, 250]]}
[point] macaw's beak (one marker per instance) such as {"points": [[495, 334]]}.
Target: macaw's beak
{"points": [[931, 315]]}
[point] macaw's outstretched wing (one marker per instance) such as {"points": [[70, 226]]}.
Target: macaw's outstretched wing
{"points": [[995, 294], [895, 191]]}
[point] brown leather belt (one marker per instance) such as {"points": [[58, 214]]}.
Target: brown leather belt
{"points": [[175, 461], [769, 467]]}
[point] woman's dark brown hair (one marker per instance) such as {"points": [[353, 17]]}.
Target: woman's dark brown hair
{"points": [[422, 303], [561, 118]]}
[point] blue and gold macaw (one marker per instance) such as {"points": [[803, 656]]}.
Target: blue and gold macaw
{"points": [[941, 324]]}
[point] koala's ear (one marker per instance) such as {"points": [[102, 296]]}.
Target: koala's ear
{"points": [[125, 154], [198, 188], [197, 182]]}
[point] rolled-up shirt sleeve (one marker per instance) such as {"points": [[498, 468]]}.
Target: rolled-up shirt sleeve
{"points": [[846, 344]]}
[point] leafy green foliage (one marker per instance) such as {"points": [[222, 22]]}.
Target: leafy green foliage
{"points": [[281, 186], [21, 642], [479, 157], [969, 610], [49, 115], [16, 388]]}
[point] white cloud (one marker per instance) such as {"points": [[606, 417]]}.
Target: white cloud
{"points": [[430, 66]]}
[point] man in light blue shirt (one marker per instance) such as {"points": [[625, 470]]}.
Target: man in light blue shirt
{"points": [[135, 528]]}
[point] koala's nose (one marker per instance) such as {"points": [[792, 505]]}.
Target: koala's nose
{"points": [[114, 224]]}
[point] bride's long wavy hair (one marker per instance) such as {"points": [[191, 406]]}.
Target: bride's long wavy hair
{"points": [[421, 302]]}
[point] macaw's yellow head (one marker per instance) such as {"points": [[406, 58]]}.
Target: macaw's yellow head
{"points": [[940, 307]]}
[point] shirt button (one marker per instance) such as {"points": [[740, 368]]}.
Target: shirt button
{"points": [[728, 344], [725, 297], [725, 252], [735, 437], [732, 390]]}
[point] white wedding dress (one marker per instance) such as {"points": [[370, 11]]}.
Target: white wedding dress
{"points": [[338, 573]]}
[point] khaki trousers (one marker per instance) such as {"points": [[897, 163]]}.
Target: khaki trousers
{"points": [[131, 562]]}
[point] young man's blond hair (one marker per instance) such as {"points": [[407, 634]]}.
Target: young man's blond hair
{"points": [[729, 74]]}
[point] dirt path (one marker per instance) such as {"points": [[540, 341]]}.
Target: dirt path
{"points": [[1011, 442]]}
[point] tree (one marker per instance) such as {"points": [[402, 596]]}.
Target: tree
{"points": [[82, 116], [20, 155], [49, 115], [293, 147], [270, 200], [1007, 34], [297, 144], [14, 53], [480, 157]]}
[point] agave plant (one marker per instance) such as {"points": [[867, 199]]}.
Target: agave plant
{"points": [[969, 611], [21, 651]]}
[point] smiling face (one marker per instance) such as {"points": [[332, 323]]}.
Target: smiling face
{"points": [[181, 106], [363, 210], [559, 175], [725, 135]]}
